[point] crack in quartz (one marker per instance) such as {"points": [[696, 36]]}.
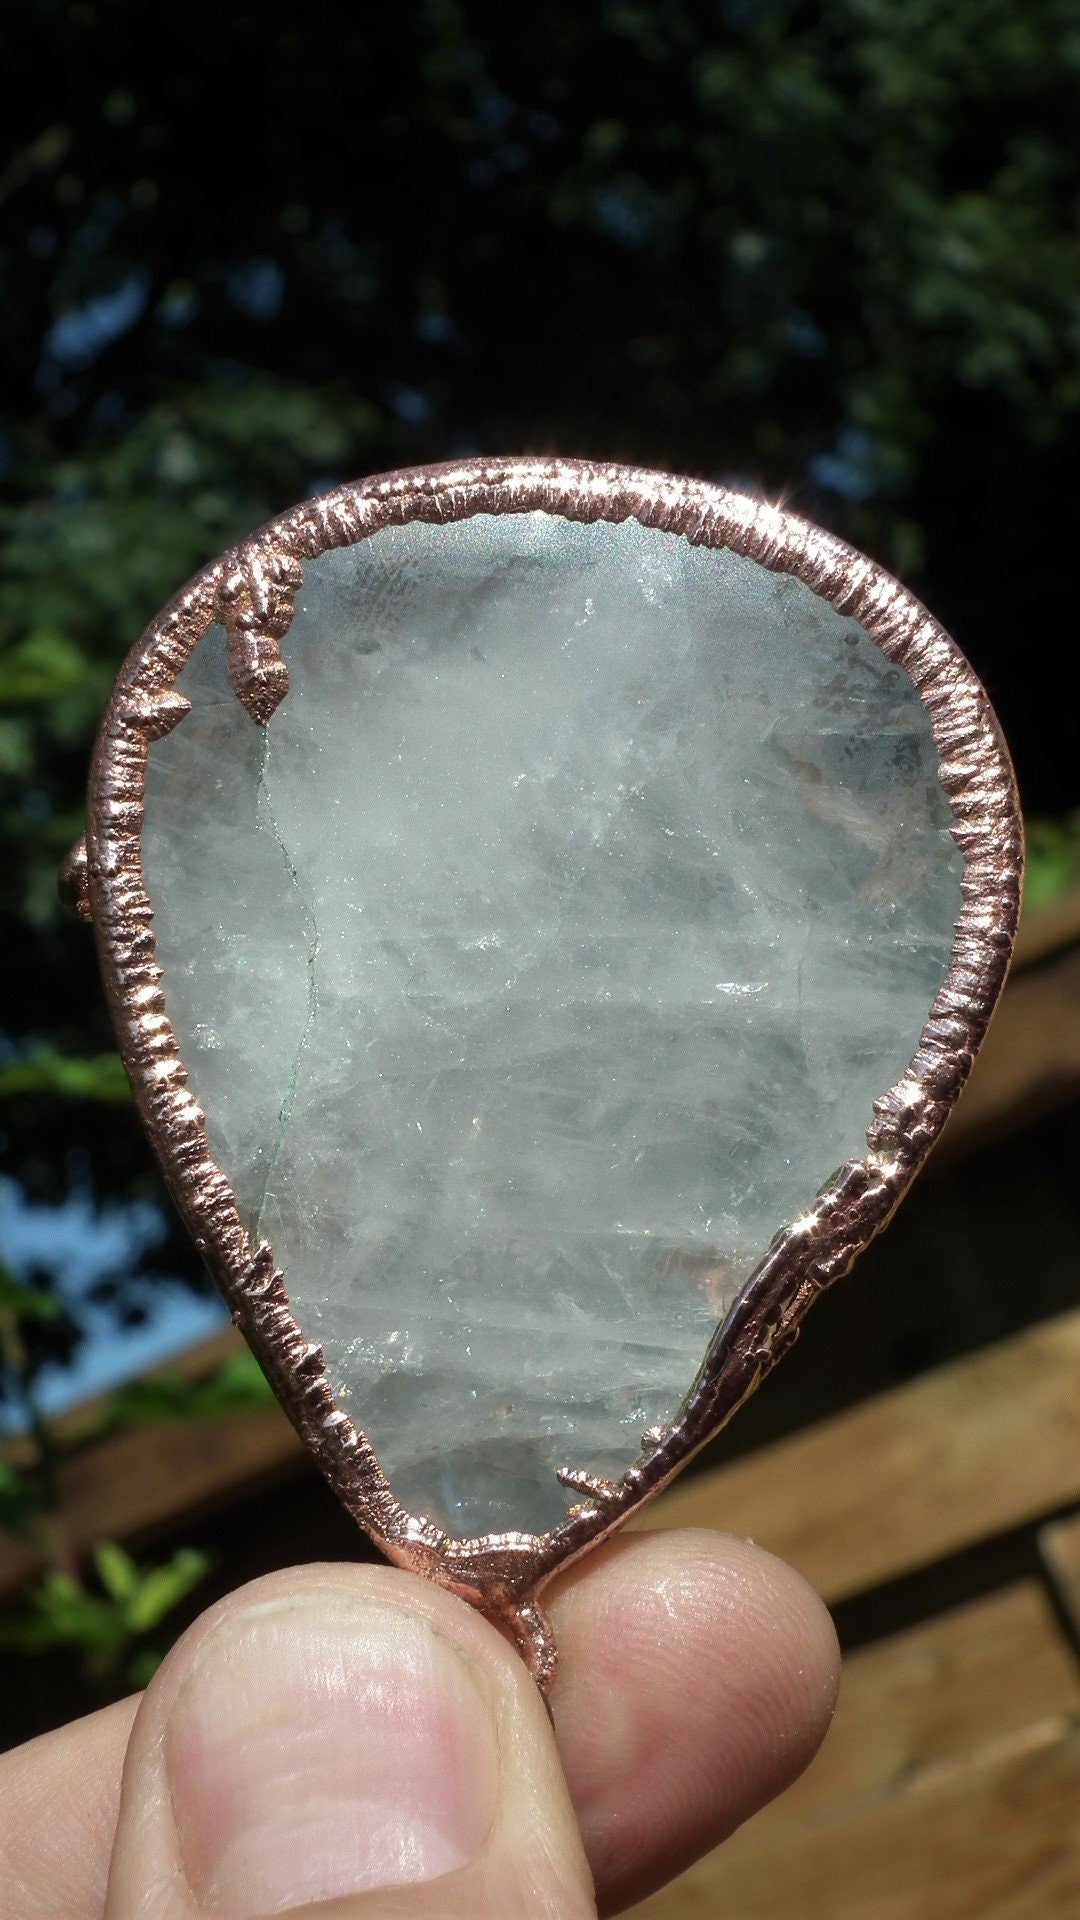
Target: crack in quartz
{"points": [[265, 812]]}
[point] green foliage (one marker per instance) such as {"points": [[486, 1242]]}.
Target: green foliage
{"points": [[239, 1386], [48, 666], [18, 1500], [97, 541], [45, 1071], [106, 1627], [21, 1303], [107, 1622], [1053, 860]]}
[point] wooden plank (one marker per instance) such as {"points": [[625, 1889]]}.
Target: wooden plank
{"points": [[1030, 1060], [1059, 1545], [975, 1676], [82, 1422], [1048, 929], [988, 1443], [997, 1839], [947, 1790], [147, 1480], [196, 1362]]}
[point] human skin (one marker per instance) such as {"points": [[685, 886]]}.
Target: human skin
{"points": [[353, 1742]]}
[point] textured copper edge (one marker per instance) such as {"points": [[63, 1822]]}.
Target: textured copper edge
{"points": [[250, 590]]}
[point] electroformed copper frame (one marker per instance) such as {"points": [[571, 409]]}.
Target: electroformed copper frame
{"points": [[250, 591]]}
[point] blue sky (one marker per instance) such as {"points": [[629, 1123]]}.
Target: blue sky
{"points": [[80, 1242]]}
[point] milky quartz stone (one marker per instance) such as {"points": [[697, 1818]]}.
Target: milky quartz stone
{"points": [[537, 964]]}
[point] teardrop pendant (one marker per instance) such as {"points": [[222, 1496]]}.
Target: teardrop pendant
{"points": [[520, 885]]}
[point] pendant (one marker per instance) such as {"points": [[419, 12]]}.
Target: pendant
{"points": [[548, 912]]}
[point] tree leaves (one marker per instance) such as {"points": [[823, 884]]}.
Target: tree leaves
{"points": [[239, 1386], [22, 1303], [44, 1070], [106, 1627]]}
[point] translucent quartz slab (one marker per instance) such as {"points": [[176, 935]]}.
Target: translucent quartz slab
{"points": [[537, 964]]}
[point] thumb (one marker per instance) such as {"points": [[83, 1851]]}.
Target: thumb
{"points": [[347, 1735]]}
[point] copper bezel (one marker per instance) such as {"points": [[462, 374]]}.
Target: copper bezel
{"points": [[250, 590]]}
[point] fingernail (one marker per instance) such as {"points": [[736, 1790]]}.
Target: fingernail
{"points": [[324, 1746]]}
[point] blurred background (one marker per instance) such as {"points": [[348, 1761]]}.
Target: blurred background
{"points": [[829, 254]]}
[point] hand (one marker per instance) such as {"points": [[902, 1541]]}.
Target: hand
{"points": [[350, 1734]]}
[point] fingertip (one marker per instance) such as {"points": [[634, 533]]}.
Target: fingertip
{"points": [[698, 1676]]}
